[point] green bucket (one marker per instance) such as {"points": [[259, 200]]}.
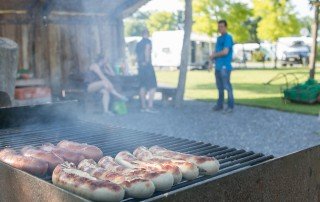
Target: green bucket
{"points": [[120, 108]]}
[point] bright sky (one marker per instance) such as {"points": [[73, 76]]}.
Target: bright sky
{"points": [[301, 6]]}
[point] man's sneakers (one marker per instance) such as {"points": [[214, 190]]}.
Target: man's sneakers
{"points": [[149, 110], [217, 108], [108, 113], [228, 110], [225, 111], [152, 111]]}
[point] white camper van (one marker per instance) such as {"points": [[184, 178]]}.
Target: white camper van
{"points": [[167, 46]]}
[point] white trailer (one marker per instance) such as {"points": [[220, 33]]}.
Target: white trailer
{"points": [[167, 46]]}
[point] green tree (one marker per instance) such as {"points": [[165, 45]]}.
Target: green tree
{"points": [[237, 16], [306, 23], [206, 15], [134, 27], [252, 26], [278, 19], [161, 21], [135, 24], [208, 12]]}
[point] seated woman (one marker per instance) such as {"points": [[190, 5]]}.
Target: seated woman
{"points": [[98, 82]]}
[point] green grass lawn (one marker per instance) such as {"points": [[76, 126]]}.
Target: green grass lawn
{"points": [[249, 88]]}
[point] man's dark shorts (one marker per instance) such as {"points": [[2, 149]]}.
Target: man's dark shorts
{"points": [[147, 77]]}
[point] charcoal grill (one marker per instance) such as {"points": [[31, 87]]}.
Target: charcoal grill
{"points": [[111, 140]]}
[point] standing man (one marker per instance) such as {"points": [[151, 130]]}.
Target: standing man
{"points": [[148, 81], [223, 58]]}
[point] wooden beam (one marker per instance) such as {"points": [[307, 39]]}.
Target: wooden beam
{"points": [[85, 6], [119, 7], [76, 18], [16, 4], [15, 18], [129, 7], [2, 12], [316, 3]]}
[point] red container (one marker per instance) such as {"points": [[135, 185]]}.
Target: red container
{"points": [[32, 93]]}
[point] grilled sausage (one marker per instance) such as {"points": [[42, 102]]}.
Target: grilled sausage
{"points": [[49, 157], [88, 151], [63, 153], [68, 177], [207, 165], [161, 180], [6, 152], [27, 164], [189, 170], [134, 187], [125, 158]]}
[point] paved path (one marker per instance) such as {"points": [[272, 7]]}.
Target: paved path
{"points": [[259, 130]]}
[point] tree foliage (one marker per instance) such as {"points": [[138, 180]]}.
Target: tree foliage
{"points": [[306, 23], [134, 27], [208, 12], [136, 24], [162, 21], [277, 19], [237, 17], [206, 15], [252, 26]]}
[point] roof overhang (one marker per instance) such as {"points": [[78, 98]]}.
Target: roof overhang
{"points": [[116, 8]]}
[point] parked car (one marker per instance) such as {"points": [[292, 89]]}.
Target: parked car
{"points": [[298, 53]]}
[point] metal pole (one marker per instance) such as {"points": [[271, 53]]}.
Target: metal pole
{"points": [[313, 55]]}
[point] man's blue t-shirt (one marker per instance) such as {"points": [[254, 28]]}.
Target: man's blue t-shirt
{"points": [[224, 41]]}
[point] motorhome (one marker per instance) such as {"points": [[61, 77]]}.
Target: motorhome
{"points": [[167, 47]]}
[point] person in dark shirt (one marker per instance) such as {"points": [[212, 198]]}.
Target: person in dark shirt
{"points": [[223, 58], [148, 81]]}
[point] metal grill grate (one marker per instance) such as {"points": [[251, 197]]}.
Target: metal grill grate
{"points": [[115, 139]]}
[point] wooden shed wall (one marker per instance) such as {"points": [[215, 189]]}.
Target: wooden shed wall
{"points": [[52, 51]]}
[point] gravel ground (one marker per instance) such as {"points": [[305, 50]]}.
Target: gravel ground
{"points": [[260, 130]]}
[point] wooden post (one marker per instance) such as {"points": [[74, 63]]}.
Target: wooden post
{"points": [[121, 39], [54, 50], [313, 55], [184, 54], [24, 47], [9, 53], [40, 41], [112, 38]]}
